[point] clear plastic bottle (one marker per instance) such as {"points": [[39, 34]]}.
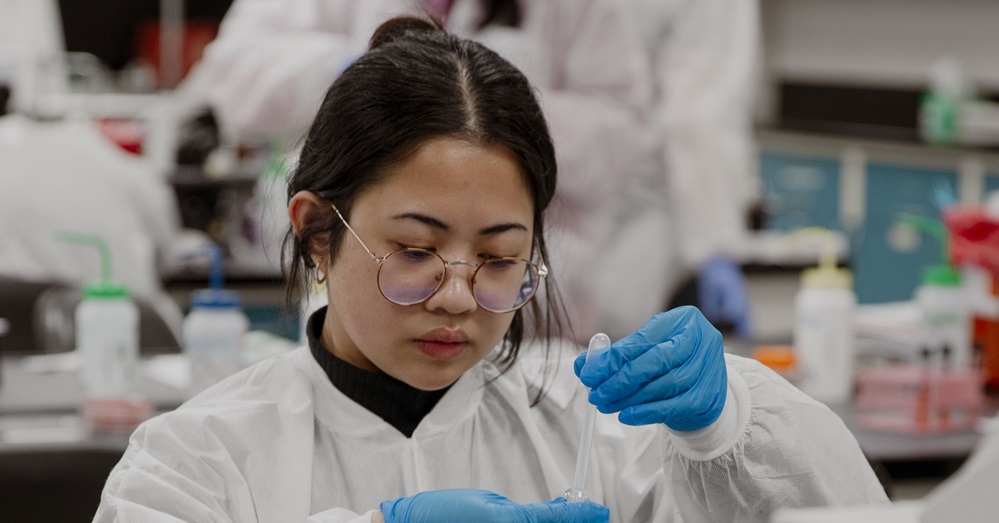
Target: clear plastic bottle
{"points": [[107, 340], [213, 332], [945, 314], [823, 333]]}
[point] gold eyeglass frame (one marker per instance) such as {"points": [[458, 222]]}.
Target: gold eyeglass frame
{"points": [[542, 269]]}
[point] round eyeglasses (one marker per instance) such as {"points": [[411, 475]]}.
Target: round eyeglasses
{"points": [[410, 276]]}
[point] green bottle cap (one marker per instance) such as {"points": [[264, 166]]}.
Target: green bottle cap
{"points": [[941, 276]]}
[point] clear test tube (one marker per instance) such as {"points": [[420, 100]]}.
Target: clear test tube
{"points": [[577, 493]]}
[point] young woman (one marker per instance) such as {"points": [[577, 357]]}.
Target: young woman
{"points": [[419, 198], [273, 59]]}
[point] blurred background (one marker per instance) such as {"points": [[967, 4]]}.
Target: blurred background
{"points": [[872, 129]]}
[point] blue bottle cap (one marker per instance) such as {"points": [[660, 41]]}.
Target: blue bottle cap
{"points": [[215, 298]]}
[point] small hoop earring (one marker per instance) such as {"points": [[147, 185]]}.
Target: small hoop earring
{"points": [[321, 277]]}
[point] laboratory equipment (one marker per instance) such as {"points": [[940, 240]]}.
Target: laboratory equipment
{"points": [[107, 339], [945, 314], [576, 493], [213, 330], [974, 241], [823, 332], [944, 303], [939, 110], [928, 397]]}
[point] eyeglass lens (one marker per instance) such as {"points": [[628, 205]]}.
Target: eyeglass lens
{"points": [[410, 276]]}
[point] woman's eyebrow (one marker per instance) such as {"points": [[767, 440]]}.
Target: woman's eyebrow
{"points": [[424, 219], [439, 225], [503, 227]]}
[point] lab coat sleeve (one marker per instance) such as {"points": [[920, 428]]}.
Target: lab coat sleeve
{"points": [[164, 478], [789, 451], [274, 59], [232, 454]]}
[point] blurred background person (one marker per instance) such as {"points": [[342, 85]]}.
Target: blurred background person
{"points": [[273, 60], [684, 217], [62, 174]]}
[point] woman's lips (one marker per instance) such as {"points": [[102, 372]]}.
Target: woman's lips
{"points": [[440, 350], [442, 344]]}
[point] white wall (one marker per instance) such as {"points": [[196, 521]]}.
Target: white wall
{"points": [[889, 43]]}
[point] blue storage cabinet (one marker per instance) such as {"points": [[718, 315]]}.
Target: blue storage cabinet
{"points": [[991, 184], [274, 319], [800, 191], [886, 269]]}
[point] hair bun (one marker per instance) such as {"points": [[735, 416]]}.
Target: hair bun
{"points": [[401, 27]]}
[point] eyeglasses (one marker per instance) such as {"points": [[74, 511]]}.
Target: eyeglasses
{"points": [[412, 275]]}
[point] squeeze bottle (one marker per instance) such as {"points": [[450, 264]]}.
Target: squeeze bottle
{"points": [[945, 306], [213, 331], [823, 331], [107, 340], [945, 314]]}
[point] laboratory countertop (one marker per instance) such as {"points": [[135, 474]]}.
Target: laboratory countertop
{"points": [[39, 398]]}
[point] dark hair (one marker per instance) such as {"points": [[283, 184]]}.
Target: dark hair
{"points": [[417, 83]]}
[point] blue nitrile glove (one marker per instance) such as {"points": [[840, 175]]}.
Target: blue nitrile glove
{"points": [[721, 294], [670, 371], [482, 506]]}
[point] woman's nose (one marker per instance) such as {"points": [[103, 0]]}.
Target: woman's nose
{"points": [[455, 293]]}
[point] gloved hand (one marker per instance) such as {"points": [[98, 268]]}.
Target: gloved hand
{"points": [[482, 506], [670, 371], [721, 294]]}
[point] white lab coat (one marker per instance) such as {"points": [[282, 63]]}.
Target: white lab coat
{"points": [[64, 176], [689, 199], [274, 59], [31, 51], [278, 442]]}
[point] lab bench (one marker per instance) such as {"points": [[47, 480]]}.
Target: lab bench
{"points": [[52, 468]]}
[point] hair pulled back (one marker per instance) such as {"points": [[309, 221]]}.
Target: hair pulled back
{"points": [[416, 83]]}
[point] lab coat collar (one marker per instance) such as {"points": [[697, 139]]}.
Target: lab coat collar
{"points": [[343, 416]]}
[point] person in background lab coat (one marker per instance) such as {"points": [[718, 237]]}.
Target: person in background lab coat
{"points": [[63, 175], [31, 49], [273, 59], [420, 197], [687, 208]]}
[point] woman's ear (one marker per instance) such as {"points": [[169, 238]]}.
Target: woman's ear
{"points": [[303, 209]]}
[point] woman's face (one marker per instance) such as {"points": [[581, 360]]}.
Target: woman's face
{"points": [[463, 201]]}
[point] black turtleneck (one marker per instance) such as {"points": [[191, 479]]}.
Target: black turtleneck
{"points": [[397, 403]]}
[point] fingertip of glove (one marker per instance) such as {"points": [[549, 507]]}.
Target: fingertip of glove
{"points": [[594, 510], [386, 508]]}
